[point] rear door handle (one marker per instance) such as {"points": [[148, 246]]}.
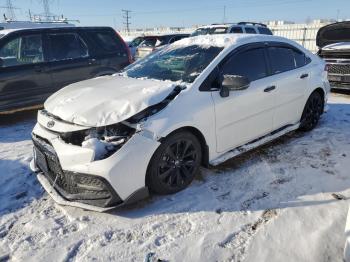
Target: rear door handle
{"points": [[304, 76], [269, 89]]}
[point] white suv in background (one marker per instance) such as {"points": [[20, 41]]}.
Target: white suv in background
{"points": [[233, 28], [109, 141]]}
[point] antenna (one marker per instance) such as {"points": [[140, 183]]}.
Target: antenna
{"points": [[10, 10], [127, 19]]}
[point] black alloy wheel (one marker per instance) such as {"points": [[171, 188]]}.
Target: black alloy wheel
{"points": [[312, 112], [175, 163]]}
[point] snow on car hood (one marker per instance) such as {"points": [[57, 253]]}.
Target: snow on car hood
{"points": [[106, 100], [337, 46]]}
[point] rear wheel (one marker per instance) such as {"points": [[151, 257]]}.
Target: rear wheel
{"points": [[175, 163], [312, 112]]}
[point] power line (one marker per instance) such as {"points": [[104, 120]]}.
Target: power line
{"points": [[10, 10], [126, 16]]}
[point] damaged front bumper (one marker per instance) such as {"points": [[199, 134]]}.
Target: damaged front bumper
{"points": [[72, 177]]}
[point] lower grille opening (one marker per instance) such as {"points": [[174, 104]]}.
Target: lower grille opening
{"points": [[72, 186]]}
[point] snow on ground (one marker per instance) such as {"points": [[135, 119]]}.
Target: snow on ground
{"points": [[272, 204]]}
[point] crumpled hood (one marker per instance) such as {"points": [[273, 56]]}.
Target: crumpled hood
{"points": [[106, 100], [337, 46]]}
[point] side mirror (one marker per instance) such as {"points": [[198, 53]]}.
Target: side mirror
{"points": [[233, 83]]}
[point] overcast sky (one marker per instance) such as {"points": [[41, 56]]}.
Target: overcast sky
{"points": [[185, 12]]}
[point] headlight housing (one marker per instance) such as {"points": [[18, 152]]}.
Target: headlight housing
{"points": [[104, 141]]}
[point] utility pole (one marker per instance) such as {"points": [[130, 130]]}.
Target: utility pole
{"points": [[126, 16], [46, 6], [10, 10], [224, 20]]}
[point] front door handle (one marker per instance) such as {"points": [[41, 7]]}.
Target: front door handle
{"points": [[92, 61], [304, 76], [39, 69], [269, 89]]}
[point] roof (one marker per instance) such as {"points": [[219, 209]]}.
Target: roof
{"points": [[8, 31], [234, 24], [227, 40]]}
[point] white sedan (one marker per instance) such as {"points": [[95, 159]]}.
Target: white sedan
{"points": [[111, 140]]}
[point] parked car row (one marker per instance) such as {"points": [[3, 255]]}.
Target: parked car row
{"points": [[171, 112]]}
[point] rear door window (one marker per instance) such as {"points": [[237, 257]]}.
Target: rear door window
{"points": [[67, 46], [250, 30], [250, 63], [22, 50], [236, 30], [282, 59], [108, 41], [149, 42], [218, 30]]}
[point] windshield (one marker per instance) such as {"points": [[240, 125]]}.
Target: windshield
{"points": [[154, 41], [174, 63], [210, 31], [1, 35], [136, 42]]}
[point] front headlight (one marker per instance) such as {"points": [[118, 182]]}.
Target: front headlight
{"points": [[104, 141]]}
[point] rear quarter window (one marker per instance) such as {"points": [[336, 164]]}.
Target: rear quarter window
{"points": [[264, 31], [107, 41]]}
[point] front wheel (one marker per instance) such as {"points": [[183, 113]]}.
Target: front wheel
{"points": [[312, 112], [175, 163]]}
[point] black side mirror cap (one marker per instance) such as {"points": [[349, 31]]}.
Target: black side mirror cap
{"points": [[235, 82]]}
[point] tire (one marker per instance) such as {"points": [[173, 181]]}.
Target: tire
{"points": [[175, 164], [312, 112]]}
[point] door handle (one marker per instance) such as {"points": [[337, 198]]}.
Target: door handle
{"points": [[39, 69], [304, 76], [92, 61], [269, 89]]}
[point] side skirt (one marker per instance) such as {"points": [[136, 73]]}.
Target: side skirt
{"points": [[254, 144]]}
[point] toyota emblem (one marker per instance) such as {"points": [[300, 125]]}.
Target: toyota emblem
{"points": [[50, 124]]}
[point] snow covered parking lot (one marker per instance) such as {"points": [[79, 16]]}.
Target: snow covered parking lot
{"points": [[276, 203]]}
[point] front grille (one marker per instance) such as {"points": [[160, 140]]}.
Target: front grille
{"points": [[73, 186], [340, 69]]}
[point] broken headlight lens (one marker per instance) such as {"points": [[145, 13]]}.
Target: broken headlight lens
{"points": [[104, 141]]}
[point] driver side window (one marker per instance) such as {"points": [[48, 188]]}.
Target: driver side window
{"points": [[250, 63], [22, 50]]}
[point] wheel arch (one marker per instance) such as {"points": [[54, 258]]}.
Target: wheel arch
{"points": [[322, 93], [197, 133]]}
